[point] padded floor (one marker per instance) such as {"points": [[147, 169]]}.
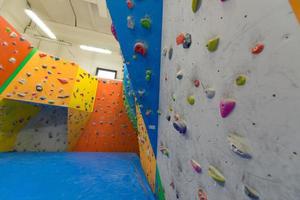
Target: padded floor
{"points": [[72, 176]]}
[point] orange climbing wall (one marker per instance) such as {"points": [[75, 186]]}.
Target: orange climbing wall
{"points": [[13, 117], [84, 91], [296, 7], [109, 128], [12, 46], [146, 152], [77, 120], [55, 76]]}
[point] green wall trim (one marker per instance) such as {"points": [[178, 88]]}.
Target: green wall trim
{"points": [[19, 68]]}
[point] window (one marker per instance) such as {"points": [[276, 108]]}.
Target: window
{"points": [[106, 73]]}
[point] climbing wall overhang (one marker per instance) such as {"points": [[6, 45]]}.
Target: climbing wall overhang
{"points": [[138, 26]]}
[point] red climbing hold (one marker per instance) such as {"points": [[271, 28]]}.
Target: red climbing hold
{"points": [[196, 83], [180, 39], [42, 55], [201, 194], [130, 4], [140, 48], [258, 48], [62, 81]]}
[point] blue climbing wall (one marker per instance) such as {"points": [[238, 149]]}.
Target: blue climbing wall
{"points": [[62, 176], [137, 66]]}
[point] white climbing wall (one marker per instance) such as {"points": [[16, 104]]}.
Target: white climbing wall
{"points": [[267, 111]]}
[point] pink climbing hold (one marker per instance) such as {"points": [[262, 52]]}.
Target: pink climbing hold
{"points": [[196, 166], [113, 31], [226, 107]]}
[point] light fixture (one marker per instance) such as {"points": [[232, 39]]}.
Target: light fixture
{"points": [[95, 49], [40, 23]]}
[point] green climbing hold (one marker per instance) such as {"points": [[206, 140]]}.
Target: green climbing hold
{"points": [[241, 80], [215, 174], [213, 44], [191, 100], [146, 22], [196, 5], [148, 75]]}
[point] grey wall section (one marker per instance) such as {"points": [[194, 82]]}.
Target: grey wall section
{"points": [[47, 132], [268, 106]]}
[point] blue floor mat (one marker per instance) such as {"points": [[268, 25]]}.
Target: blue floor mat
{"points": [[72, 176]]}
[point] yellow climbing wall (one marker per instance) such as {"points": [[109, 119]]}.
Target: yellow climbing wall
{"points": [[13, 117], [77, 120], [146, 152], [44, 79], [84, 91]]}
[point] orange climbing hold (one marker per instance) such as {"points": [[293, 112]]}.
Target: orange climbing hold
{"points": [[180, 39]]}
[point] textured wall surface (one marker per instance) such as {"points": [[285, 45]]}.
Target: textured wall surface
{"points": [[267, 108], [109, 128], [46, 132]]}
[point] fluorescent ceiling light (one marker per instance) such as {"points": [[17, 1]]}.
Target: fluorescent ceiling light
{"points": [[40, 23], [95, 49]]}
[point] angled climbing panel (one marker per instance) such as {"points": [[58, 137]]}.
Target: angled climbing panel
{"points": [[109, 128], [84, 91], [137, 26], [44, 79], [296, 8], [147, 156], [77, 120], [13, 117], [14, 49]]}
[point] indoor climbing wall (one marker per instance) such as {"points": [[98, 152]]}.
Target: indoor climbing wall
{"points": [[44, 79], [13, 117], [137, 25], [77, 120], [230, 100], [14, 49], [109, 128], [46, 132], [84, 91], [147, 156]]}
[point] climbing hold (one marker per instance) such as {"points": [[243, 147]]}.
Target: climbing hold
{"points": [[28, 74], [241, 80], [44, 66], [39, 87], [179, 75], [1, 67], [215, 174], [250, 192], [196, 166], [238, 146], [210, 93], [130, 22], [21, 94], [191, 100], [170, 53], [202, 194], [180, 39], [196, 83], [13, 35], [130, 4], [258, 48], [213, 44], [63, 96], [148, 112], [42, 55], [164, 52], [62, 80], [164, 150], [146, 22], [113, 31], [148, 75], [168, 117], [12, 60], [226, 107], [51, 101], [187, 41], [180, 127], [196, 5], [141, 92], [140, 48], [43, 98], [22, 81], [7, 29]]}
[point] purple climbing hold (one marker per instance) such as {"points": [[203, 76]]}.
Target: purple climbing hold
{"points": [[113, 31], [226, 107], [180, 127]]}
